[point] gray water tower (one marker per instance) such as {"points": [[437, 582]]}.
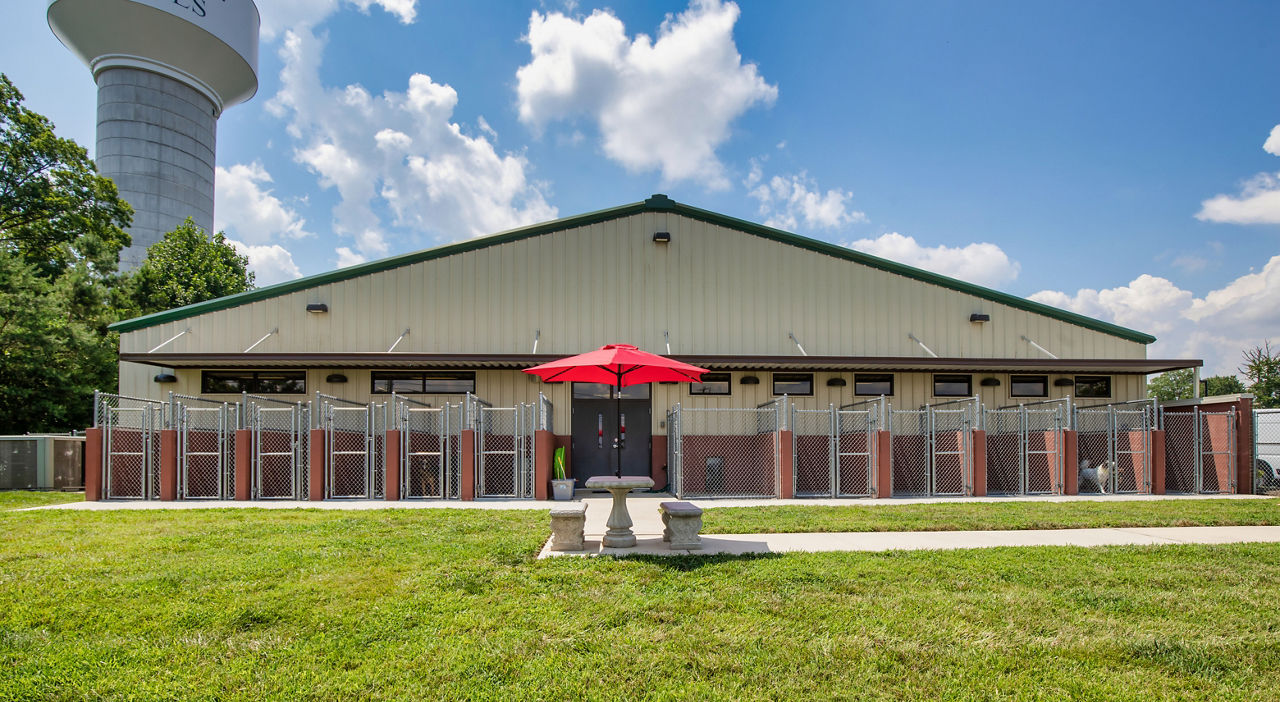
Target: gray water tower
{"points": [[165, 69]]}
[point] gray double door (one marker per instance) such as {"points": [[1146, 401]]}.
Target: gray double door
{"points": [[596, 427]]}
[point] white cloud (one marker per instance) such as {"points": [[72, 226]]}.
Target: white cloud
{"points": [[795, 200], [399, 151], [247, 211], [281, 15], [981, 263], [270, 264], [347, 257], [659, 105], [1259, 198], [1216, 327], [1272, 144]]}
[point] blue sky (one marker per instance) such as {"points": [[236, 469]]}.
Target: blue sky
{"points": [[1113, 158]]}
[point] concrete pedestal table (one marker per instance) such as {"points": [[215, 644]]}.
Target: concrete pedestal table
{"points": [[619, 534]]}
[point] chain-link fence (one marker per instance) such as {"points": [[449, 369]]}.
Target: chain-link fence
{"points": [[932, 448], [1200, 450], [1114, 447], [280, 447], [131, 445], [206, 446], [431, 449], [833, 450], [355, 441], [726, 452], [1024, 448], [1266, 451], [504, 438]]}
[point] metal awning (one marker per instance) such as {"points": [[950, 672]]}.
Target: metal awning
{"points": [[374, 359]]}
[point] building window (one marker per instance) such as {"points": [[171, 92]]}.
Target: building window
{"points": [[1096, 386], [423, 382], [604, 391], [795, 384], [255, 382], [873, 384], [1028, 386], [952, 385], [712, 384]]}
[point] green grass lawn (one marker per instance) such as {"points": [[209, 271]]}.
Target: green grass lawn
{"points": [[412, 604], [19, 499], [954, 516]]}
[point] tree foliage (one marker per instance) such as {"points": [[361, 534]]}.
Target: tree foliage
{"points": [[1262, 369], [1176, 385], [185, 267]]}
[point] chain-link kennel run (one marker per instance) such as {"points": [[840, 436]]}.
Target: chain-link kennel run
{"points": [[354, 438], [727, 452], [1200, 450], [1114, 447], [206, 446], [431, 449], [931, 448], [1024, 448], [834, 450], [280, 447], [131, 445], [504, 447]]}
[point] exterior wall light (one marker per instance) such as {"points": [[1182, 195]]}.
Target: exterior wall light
{"points": [[835, 382], [166, 378], [1064, 382], [979, 317], [662, 238], [317, 307], [749, 380], [335, 378], [990, 382]]}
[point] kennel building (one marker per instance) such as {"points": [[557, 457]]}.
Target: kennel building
{"points": [[833, 373]]}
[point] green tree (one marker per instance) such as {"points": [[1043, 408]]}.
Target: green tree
{"points": [[185, 267], [61, 232], [56, 211], [1262, 369], [1222, 385], [1176, 385]]}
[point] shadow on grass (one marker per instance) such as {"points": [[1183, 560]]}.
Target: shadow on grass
{"points": [[693, 562]]}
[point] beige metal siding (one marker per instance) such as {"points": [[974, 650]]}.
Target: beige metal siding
{"points": [[717, 291]]}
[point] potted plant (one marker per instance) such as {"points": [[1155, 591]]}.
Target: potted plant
{"points": [[561, 487]]}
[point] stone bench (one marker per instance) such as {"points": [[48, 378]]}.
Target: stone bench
{"points": [[681, 522], [567, 523]]}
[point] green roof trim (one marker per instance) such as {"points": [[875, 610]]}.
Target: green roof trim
{"points": [[657, 203]]}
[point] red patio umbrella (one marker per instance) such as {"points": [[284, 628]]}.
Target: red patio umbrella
{"points": [[619, 365]]}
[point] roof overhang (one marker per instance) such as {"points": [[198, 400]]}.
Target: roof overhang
{"points": [[374, 359]]}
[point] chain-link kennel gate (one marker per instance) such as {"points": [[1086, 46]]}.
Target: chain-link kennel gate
{"points": [[430, 449], [726, 452], [833, 450], [206, 446], [1024, 448], [131, 445], [355, 437], [1200, 450], [1114, 447], [1266, 450], [280, 447], [931, 448], [504, 445]]}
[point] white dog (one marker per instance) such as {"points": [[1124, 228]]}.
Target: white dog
{"points": [[1099, 476]]}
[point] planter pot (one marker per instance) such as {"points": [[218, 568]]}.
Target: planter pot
{"points": [[562, 489]]}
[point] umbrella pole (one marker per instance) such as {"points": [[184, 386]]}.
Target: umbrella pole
{"points": [[617, 441]]}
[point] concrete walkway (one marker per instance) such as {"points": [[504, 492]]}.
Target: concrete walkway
{"points": [[736, 544]]}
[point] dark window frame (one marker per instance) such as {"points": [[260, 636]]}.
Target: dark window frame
{"points": [[1015, 379], [1094, 378], [726, 378], [250, 382], [880, 377], [795, 378], [424, 377], [953, 378]]}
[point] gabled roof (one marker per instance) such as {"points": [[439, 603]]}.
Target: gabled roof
{"points": [[657, 203]]}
